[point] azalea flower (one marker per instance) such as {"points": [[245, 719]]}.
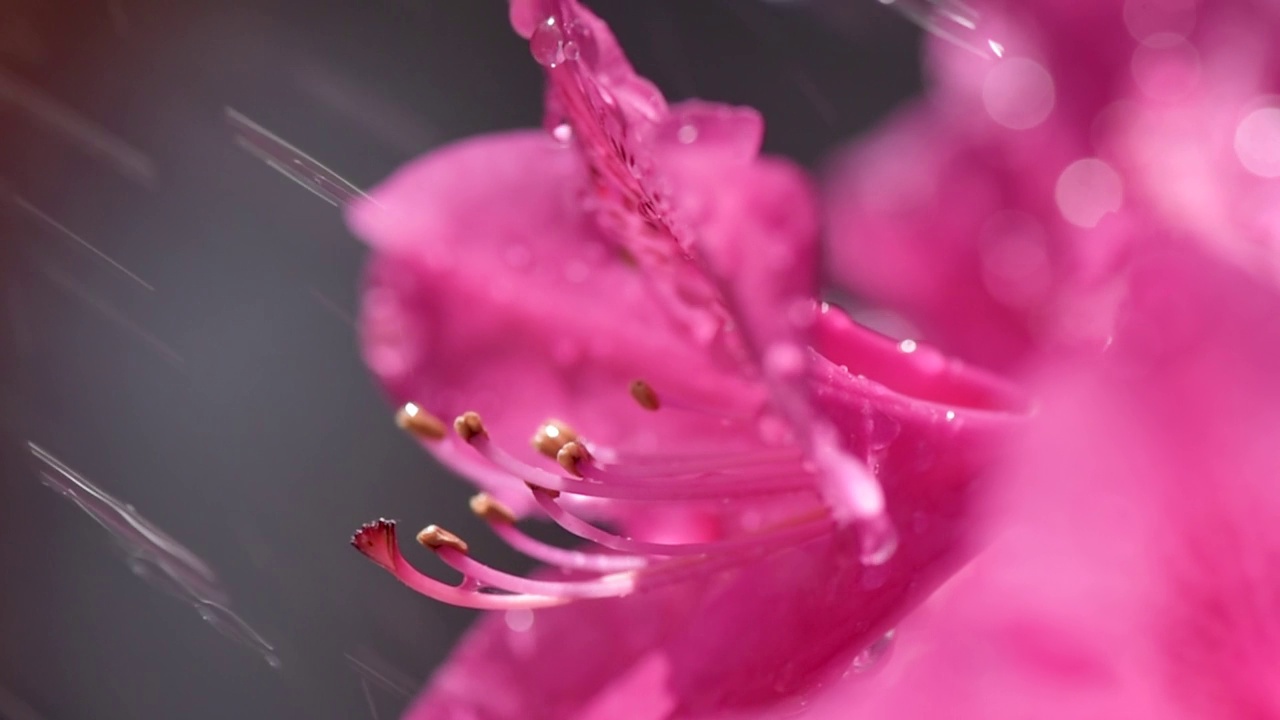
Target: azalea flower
{"points": [[618, 314], [998, 214]]}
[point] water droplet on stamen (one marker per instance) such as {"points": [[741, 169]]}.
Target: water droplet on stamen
{"points": [[547, 43], [874, 655]]}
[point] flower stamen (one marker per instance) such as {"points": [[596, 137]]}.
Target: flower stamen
{"points": [[418, 422], [570, 455], [377, 541], [799, 529], [469, 426], [645, 395], [551, 436], [502, 522], [490, 510], [436, 537]]}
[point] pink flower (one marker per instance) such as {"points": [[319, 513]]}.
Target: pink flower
{"points": [[998, 214], [783, 484], [1134, 565]]}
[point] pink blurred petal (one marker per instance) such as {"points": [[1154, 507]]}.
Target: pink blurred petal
{"points": [[1133, 569]]}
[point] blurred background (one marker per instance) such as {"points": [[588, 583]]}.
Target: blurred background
{"points": [[187, 435]]}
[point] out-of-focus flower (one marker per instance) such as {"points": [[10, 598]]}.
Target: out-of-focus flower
{"points": [[1134, 570], [998, 213], [783, 483], [1096, 210]]}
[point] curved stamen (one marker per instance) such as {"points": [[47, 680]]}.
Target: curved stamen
{"points": [[418, 422], [502, 522], [377, 541], [611, 585], [711, 486], [648, 464], [800, 529], [551, 436], [764, 481]]}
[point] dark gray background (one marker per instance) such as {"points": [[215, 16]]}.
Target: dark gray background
{"points": [[228, 404]]}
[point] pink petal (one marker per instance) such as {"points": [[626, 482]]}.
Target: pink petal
{"points": [[1133, 572], [491, 292], [774, 628]]}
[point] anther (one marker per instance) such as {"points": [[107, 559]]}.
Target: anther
{"points": [[469, 425], [551, 436], [570, 455], [644, 394], [435, 537], [490, 510], [413, 419]]}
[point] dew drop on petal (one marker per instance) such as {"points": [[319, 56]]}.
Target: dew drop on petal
{"points": [[1087, 191], [1145, 18], [881, 429], [878, 539], [874, 655], [1166, 67], [547, 43], [773, 430], [784, 360], [519, 620], [1257, 142], [563, 133], [1018, 93]]}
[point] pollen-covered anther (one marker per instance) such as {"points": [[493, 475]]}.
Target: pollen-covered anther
{"points": [[552, 435], [413, 419], [435, 537], [469, 426], [570, 455], [490, 510], [645, 395]]}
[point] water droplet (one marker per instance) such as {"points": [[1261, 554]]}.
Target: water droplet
{"points": [[951, 415], [784, 360], [1257, 142], [881, 430], [563, 133], [1088, 190], [773, 430], [878, 539], [519, 620], [687, 133], [1018, 93], [874, 655], [907, 346], [547, 43]]}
